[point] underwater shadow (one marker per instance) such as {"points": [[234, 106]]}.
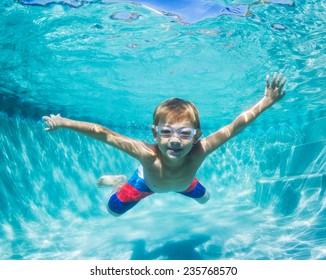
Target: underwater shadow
{"points": [[171, 250]]}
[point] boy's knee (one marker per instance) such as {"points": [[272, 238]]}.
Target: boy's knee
{"points": [[114, 214], [111, 211], [116, 207], [204, 198]]}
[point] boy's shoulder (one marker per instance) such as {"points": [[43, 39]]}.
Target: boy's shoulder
{"points": [[198, 150], [150, 151]]}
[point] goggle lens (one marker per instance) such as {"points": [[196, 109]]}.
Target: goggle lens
{"points": [[183, 132]]}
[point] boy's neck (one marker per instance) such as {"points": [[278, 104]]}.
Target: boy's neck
{"points": [[172, 163]]}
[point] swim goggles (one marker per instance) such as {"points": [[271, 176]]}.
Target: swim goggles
{"points": [[165, 131]]}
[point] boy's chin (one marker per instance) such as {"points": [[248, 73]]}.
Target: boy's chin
{"points": [[174, 154]]}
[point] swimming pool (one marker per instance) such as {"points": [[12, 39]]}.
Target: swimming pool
{"points": [[112, 62]]}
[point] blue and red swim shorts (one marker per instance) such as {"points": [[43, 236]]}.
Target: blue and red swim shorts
{"points": [[136, 189]]}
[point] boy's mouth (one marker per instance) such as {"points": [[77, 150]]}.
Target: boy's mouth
{"points": [[175, 150]]}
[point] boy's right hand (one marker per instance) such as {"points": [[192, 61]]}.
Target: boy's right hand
{"points": [[53, 122], [275, 90]]}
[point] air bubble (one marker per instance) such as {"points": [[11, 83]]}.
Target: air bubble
{"points": [[125, 16], [278, 26], [97, 26]]}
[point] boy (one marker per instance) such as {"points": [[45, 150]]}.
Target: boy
{"points": [[170, 164]]}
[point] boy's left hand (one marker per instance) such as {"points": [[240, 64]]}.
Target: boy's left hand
{"points": [[52, 122], [274, 91]]}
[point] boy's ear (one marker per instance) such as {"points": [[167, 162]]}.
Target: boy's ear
{"points": [[154, 134]]}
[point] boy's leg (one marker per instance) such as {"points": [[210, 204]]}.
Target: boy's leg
{"points": [[124, 199], [126, 194], [116, 207], [197, 191], [204, 198]]}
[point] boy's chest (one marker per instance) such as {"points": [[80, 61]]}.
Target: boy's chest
{"points": [[162, 179]]}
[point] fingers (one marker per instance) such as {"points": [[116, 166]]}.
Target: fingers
{"points": [[275, 88], [50, 121], [267, 81], [277, 81], [46, 122], [274, 80], [282, 83], [279, 77]]}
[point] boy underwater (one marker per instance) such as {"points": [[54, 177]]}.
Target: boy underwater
{"points": [[170, 164]]}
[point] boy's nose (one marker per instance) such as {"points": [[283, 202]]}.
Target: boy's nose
{"points": [[175, 140]]}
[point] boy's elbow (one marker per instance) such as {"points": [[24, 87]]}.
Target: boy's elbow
{"points": [[227, 130], [230, 131]]}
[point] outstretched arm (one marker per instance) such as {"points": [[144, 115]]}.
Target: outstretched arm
{"points": [[273, 92], [135, 148]]}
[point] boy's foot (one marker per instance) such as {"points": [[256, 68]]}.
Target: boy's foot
{"points": [[115, 181]]}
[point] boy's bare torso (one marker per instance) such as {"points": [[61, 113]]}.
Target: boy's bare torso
{"points": [[162, 177]]}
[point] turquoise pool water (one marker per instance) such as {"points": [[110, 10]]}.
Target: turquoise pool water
{"points": [[112, 62]]}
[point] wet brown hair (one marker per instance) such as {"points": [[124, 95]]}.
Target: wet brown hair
{"points": [[177, 110]]}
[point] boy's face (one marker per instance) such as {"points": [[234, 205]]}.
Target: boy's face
{"points": [[177, 145]]}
